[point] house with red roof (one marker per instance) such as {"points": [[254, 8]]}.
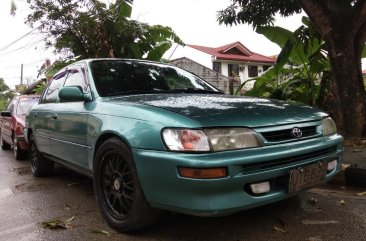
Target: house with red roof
{"points": [[233, 60]]}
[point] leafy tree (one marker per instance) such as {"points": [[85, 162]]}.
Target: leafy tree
{"points": [[342, 25], [91, 29], [5, 95]]}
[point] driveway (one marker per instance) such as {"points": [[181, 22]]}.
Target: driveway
{"points": [[324, 213]]}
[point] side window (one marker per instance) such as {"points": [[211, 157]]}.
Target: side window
{"points": [[51, 95], [76, 77], [11, 106]]}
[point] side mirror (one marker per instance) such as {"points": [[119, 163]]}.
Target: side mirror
{"points": [[73, 93], [6, 113]]}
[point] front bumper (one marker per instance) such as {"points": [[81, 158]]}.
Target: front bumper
{"points": [[165, 189]]}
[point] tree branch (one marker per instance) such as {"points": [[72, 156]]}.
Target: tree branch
{"points": [[319, 15]]}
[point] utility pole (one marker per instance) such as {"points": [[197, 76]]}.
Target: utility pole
{"points": [[21, 74]]}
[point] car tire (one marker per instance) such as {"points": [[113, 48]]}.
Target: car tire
{"points": [[118, 190], [19, 154], [4, 145], [40, 165]]}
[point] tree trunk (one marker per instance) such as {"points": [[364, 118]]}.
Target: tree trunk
{"points": [[348, 90], [343, 27]]}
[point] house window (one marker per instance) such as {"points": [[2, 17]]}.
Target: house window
{"points": [[233, 70], [265, 67], [253, 71], [216, 66]]}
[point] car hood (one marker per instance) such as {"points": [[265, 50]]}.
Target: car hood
{"points": [[224, 110]]}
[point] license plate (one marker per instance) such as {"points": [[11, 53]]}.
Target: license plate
{"points": [[307, 177]]}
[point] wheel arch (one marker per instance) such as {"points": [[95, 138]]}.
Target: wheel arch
{"points": [[105, 136]]}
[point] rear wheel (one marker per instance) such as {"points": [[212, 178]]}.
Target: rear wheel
{"points": [[4, 145], [40, 165], [19, 154], [118, 190]]}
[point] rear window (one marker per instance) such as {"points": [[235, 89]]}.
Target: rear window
{"points": [[25, 104]]}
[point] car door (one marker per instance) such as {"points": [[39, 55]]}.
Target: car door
{"points": [[42, 116], [69, 135]]}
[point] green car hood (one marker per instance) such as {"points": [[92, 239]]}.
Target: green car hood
{"points": [[224, 110]]}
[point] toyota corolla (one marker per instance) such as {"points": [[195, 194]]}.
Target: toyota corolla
{"points": [[155, 137]]}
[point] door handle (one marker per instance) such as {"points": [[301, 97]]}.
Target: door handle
{"points": [[54, 116]]}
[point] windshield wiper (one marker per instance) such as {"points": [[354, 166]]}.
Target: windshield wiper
{"points": [[193, 90], [135, 92]]}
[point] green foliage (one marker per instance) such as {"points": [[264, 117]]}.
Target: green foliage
{"points": [[299, 66], [6, 95], [91, 29], [38, 90], [3, 86], [257, 12]]}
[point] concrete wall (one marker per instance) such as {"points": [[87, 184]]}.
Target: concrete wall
{"points": [[223, 83]]}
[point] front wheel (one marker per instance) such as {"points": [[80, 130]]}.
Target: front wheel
{"points": [[118, 190], [40, 165]]}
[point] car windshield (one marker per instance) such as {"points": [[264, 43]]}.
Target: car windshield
{"points": [[25, 104], [121, 77]]}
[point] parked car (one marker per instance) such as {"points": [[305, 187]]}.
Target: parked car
{"points": [[155, 137], [12, 124]]}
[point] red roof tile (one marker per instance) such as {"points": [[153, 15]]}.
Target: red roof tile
{"points": [[223, 53]]}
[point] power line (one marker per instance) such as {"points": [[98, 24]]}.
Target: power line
{"points": [[25, 35], [24, 47], [25, 64]]}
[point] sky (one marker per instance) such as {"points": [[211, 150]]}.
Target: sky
{"points": [[194, 21]]}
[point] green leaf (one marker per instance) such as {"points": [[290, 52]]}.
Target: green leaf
{"points": [[100, 231], [276, 34], [364, 52]]}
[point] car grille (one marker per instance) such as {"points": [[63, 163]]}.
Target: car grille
{"points": [[285, 135], [287, 160]]}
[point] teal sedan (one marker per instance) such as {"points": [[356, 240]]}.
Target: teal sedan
{"points": [[155, 137]]}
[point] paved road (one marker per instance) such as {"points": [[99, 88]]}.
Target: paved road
{"points": [[326, 213]]}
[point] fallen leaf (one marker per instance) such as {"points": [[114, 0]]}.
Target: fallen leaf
{"points": [[348, 143], [57, 223], [318, 222], [356, 150], [279, 229], [313, 201], [101, 231], [342, 202], [314, 239], [72, 184], [361, 193], [53, 224], [70, 219]]}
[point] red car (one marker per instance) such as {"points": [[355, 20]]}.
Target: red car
{"points": [[12, 124]]}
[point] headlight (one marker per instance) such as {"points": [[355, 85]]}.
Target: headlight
{"points": [[185, 140], [232, 138], [329, 126], [218, 139]]}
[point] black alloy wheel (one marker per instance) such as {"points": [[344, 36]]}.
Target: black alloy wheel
{"points": [[118, 190], [39, 164]]}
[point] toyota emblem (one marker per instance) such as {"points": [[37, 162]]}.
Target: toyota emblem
{"points": [[296, 132]]}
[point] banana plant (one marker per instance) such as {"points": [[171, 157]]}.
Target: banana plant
{"points": [[299, 65]]}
